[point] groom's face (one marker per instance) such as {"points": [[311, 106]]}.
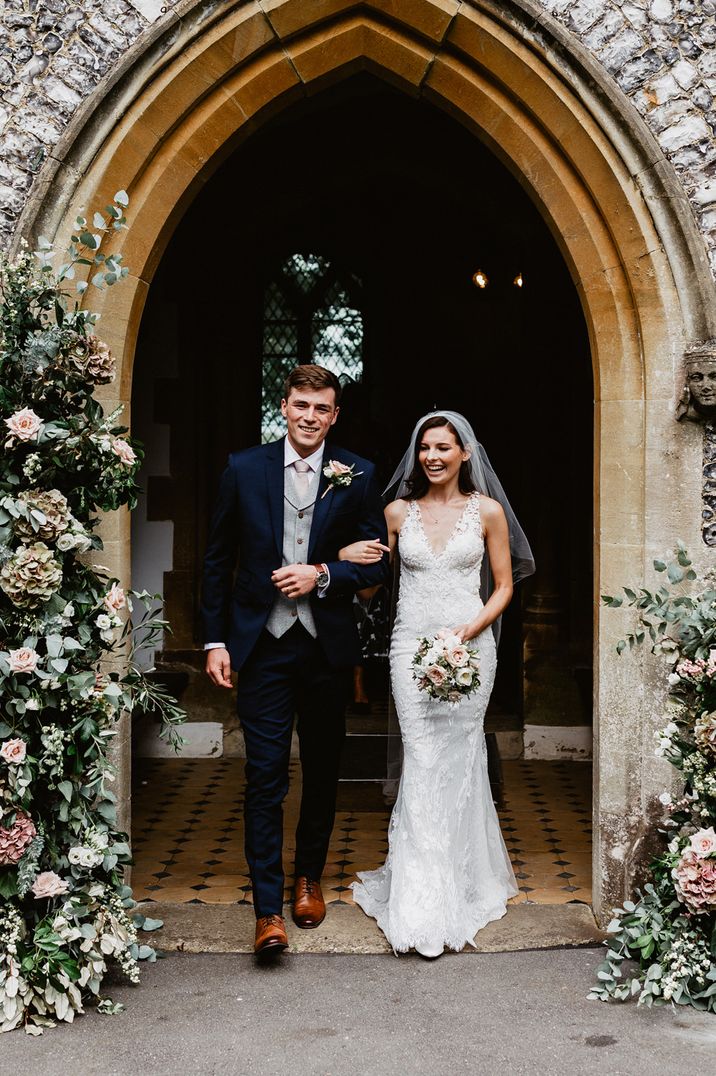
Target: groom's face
{"points": [[309, 415]]}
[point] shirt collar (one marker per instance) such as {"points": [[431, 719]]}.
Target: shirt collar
{"points": [[290, 455]]}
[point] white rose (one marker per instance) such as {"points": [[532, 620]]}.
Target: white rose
{"points": [[89, 858], [124, 450], [703, 843], [23, 660], [66, 542], [25, 424], [463, 676], [103, 622]]}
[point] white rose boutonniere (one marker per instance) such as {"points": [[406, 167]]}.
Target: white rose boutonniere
{"points": [[338, 474]]}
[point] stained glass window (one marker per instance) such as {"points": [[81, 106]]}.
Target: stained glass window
{"points": [[312, 313]]}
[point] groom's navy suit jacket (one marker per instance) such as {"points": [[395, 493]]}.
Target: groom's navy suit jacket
{"points": [[247, 527]]}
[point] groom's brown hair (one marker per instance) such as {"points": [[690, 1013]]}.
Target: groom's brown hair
{"points": [[310, 375]]}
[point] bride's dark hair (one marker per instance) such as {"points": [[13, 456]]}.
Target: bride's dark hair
{"points": [[417, 482]]}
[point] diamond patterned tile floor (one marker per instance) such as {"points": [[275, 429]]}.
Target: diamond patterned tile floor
{"points": [[188, 832]]}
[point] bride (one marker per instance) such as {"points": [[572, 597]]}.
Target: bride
{"points": [[447, 873]]}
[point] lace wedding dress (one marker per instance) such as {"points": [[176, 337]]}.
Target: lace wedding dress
{"points": [[448, 872]]}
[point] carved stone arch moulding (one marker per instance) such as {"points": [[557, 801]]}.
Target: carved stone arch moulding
{"points": [[515, 78]]}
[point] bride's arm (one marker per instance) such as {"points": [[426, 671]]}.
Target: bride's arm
{"points": [[370, 551], [497, 541]]}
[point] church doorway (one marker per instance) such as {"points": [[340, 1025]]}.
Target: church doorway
{"points": [[370, 232]]}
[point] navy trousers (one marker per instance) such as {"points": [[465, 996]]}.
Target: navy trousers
{"points": [[284, 678]]}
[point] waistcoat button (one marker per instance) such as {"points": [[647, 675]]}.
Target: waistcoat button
{"points": [[299, 541]]}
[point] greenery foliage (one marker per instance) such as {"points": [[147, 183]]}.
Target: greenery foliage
{"points": [[68, 636], [669, 930]]}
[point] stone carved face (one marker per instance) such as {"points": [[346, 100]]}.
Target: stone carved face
{"points": [[701, 383], [698, 400]]}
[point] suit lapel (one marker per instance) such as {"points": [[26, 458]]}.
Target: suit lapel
{"points": [[274, 488], [324, 504]]}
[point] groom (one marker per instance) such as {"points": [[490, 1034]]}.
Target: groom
{"points": [[285, 622]]}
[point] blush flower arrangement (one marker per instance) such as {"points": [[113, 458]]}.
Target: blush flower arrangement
{"points": [[445, 667], [65, 912], [338, 474], [662, 945]]}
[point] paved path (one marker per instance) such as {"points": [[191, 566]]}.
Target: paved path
{"points": [[327, 1015]]}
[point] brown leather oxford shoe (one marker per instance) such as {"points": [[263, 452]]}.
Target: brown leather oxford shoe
{"points": [[271, 935], [309, 907]]}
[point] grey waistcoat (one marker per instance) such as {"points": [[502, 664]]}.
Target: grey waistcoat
{"points": [[297, 518]]}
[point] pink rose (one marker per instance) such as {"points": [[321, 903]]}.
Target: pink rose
{"points": [[703, 843], [337, 467], [115, 600], [458, 656], [124, 450], [25, 424], [14, 841], [435, 675], [23, 660], [48, 884], [13, 751]]}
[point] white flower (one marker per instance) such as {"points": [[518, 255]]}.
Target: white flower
{"points": [[670, 729], [124, 450], [703, 843], [48, 884], [464, 676], [674, 679], [32, 704], [103, 621], [25, 424], [115, 598], [89, 858], [23, 660], [674, 845], [665, 798], [75, 854]]}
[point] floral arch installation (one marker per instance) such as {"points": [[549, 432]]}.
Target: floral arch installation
{"points": [[196, 87]]}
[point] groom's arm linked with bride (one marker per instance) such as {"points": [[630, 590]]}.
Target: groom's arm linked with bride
{"points": [[277, 608]]}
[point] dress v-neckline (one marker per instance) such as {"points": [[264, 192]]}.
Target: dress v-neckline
{"points": [[439, 553]]}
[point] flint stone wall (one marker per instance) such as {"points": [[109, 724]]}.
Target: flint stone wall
{"points": [[661, 53]]}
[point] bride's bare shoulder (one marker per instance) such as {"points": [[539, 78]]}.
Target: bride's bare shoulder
{"points": [[490, 509], [395, 513]]}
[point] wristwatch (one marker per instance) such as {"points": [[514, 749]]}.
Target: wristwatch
{"points": [[322, 576]]}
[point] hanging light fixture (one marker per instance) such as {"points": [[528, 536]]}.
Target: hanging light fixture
{"points": [[480, 279], [519, 281]]}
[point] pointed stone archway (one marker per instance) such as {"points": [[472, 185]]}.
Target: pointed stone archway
{"points": [[189, 93]]}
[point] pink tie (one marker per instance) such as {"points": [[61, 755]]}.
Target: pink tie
{"points": [[302, 476]]}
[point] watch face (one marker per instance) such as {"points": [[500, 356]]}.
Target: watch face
{"points": [[321, 579]]}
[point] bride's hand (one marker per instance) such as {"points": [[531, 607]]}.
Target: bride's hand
{"points": [[365, 552], [463, 632]]}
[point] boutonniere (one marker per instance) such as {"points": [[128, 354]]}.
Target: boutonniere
{"points": [[338, 474]]}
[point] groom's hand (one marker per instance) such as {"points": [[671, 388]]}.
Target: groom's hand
{"points": [[218, 666], [295, 580]]}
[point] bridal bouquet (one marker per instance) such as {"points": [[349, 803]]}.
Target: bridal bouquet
{"points": [[445, 667]]}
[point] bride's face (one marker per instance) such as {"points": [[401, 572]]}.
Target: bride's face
{"points": [[440, 455]]}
